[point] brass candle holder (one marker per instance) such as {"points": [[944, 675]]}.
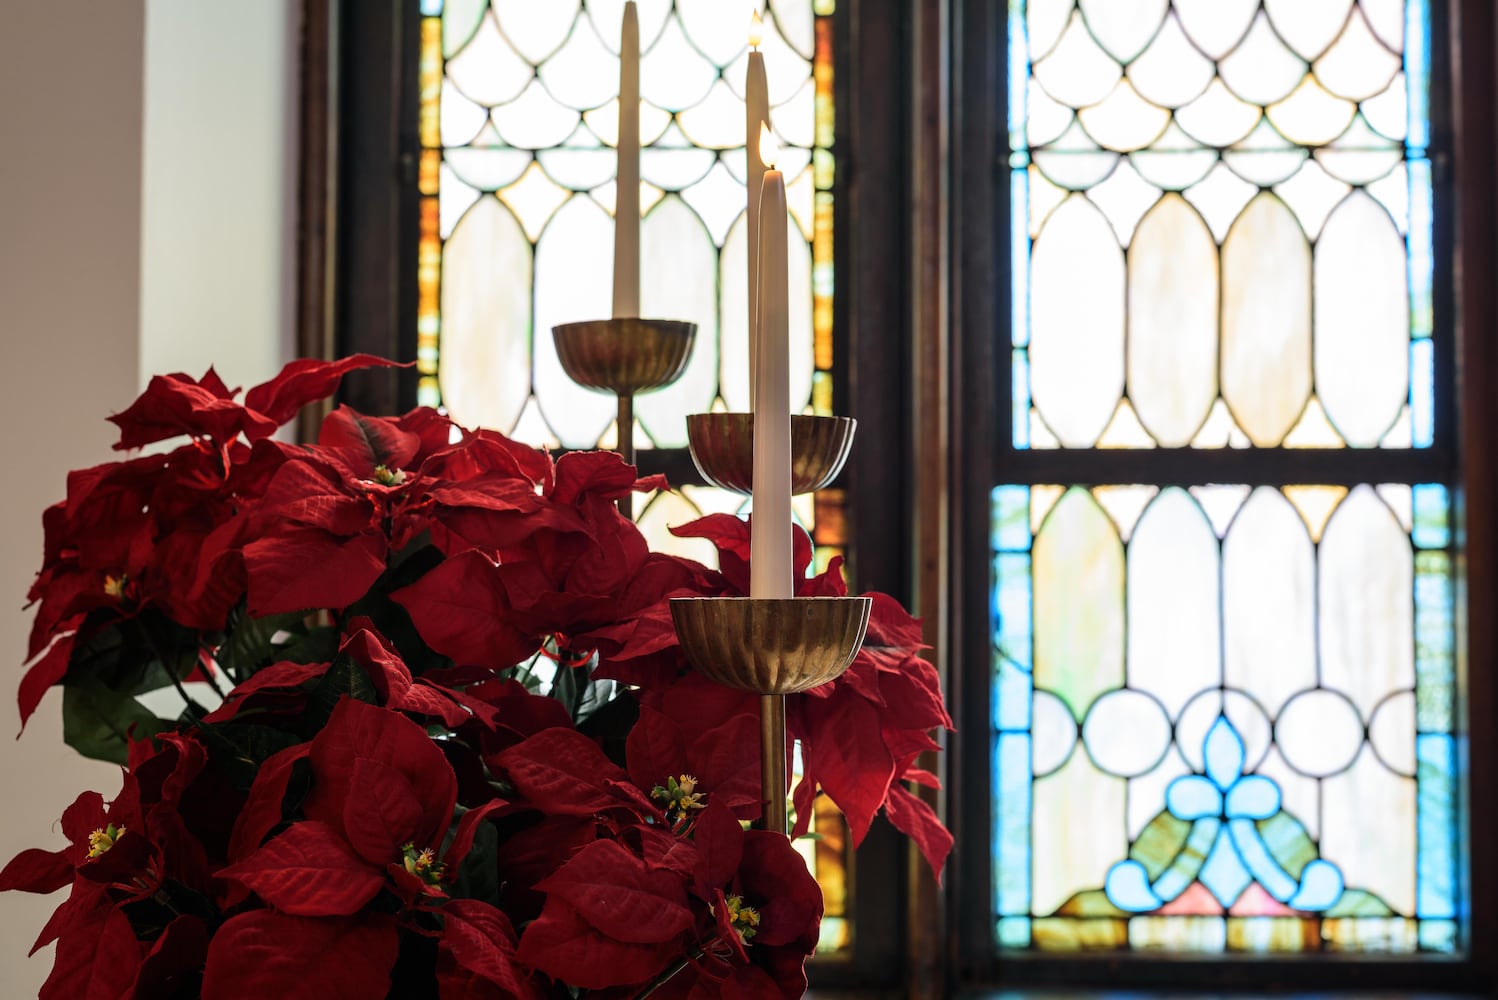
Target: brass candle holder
{"points": [[773, 647], [723, 449], [625, 357]]}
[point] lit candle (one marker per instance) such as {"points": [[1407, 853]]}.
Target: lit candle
{"points": [[627, 177], [770, 546], [756, 116]]}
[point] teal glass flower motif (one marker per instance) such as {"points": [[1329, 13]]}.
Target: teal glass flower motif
{"points": [[1225, 848]]}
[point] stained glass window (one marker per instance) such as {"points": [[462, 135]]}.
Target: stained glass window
{"points": [[1190, 156], [518, 120], [1223, 713]]}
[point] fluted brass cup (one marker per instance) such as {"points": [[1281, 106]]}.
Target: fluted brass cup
{"points": [[625, 356], [774, 647], [722, 447]]}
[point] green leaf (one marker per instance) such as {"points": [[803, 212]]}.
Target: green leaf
{"points": [[478, 875], [344, 677], [239, 750], [99, 722], [250, 644]]}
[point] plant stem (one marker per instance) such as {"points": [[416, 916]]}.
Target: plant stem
{"points": [[664, 977]]}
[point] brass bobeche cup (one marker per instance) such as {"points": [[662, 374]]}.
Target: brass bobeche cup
{"points": [[771, 646], [624, 356], [723, 449]]}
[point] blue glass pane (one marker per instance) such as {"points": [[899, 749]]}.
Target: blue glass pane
{"points": [[1011, 521], [1437, 867], [1432, 516], [1012, 819], [1435, 675], [1417, 71], [1012, 608], [431, 8], [1423, 392], [1422, 252], [1014, 932], [1438, 936]]}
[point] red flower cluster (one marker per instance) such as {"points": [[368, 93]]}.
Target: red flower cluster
{"points": [[456, 752]]}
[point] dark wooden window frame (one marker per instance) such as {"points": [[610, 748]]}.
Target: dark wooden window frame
{"points": [[357, 293], [1463, 92]]}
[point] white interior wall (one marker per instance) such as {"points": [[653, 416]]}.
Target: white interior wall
{"points": [[110, 272], [218, 188]]}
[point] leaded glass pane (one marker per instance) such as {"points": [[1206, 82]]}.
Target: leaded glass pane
{"points": [[1202, 695], [1244, 190]]}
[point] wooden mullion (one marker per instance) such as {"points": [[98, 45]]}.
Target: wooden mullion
{"points": [[1255, 466]]}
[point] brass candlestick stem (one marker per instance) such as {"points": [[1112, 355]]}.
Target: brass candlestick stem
{"points": [[773, 647], [625, 357]]}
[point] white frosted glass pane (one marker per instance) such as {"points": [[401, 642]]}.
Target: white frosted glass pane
{"points": [[583, 73], [1175, 161], [1172, 71], [1078, 831], [538, 29], [486, 168], [1174, 644], [1308, 27], [534, 120], [579, 169], [608, 15], [1045, 20], [1360, 155], [1363, 850], [1216, 25], [720, 30], [1311, 116], [1077, 72], [717, 121], [1218, 117], [798, 293], [485, 366], [1312, 193], [718, 199], [1387, 19], [1172, 341], [453, 200], [603, 122], [533, 198], [1268, 575], [1300, 796], [1261, 69], [1391, 733], [1365, 588], [1123, 27], [795, 119], [574, 282], [1388, 112], [673, 74], [1319, 732], [678, 280], [1055, 730], [1046, 119], [674, 169], [1220, 197], [734, 300], [488, 70], [1077, 341], [793, 19], [460, 19], [1123, 120], [1079, 602], [1074, 161], [1266, 320], [460, 118], [1362, 320], [1264, 158], [1357, 66], [1124, 197]]}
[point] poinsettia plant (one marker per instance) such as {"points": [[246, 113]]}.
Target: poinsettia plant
{"points": [[436, 735]]}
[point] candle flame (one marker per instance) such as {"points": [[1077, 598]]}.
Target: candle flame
{"points": [[756, 29], [769, 148]]}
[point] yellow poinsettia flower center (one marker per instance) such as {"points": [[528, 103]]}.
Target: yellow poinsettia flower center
{"points": [[743, 919], [423, 864], [102, 840], [386, 476], [114, 586], [679, 798]]}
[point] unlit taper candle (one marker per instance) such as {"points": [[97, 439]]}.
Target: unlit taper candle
{"points": [[627, 176], [770, 544], [756, 116]]}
